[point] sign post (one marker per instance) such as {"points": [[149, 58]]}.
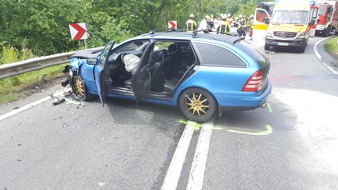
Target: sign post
{"points": [[78, 31]]}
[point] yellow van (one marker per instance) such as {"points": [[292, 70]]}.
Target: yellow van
{"points": [[289, 26]]}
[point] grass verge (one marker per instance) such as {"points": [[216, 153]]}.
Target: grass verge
{"points": [[15, 87], [331, 46]]}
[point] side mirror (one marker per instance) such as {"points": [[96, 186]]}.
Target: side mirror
{"points": [[266, 20], [91, 61]]}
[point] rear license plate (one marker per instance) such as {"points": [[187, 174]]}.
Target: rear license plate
{"points": [[283, 43]]}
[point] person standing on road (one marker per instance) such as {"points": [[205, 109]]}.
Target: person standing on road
{"points": [[242, 27], [206, 24], [229, 19], [250, 23], [223, 27], [191, 24]]}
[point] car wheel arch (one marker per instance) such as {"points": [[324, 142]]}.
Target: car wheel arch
{"points": [[190, 87]]}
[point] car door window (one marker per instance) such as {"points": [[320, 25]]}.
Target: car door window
{"points": [[219, 56], [135, 45], [104, 54]]}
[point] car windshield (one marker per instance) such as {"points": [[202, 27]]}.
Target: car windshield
{"points": [[290, 17], [322, 10]]}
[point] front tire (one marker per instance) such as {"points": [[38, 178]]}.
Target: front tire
{"points": [[302, 49], [79, 89], [197, 105], [327, 31]]}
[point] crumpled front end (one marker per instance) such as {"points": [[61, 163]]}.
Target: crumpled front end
{"points": [[71, 68]]}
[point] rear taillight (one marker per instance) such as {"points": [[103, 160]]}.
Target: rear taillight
{"points": [[254, 84]]}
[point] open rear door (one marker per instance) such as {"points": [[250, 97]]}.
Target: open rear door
{"points": [[141, 80], [102, 72]]}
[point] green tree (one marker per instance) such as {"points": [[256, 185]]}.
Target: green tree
{"points": [[247, 9], [44, 24]]}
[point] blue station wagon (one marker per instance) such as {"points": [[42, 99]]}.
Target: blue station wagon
{"points": [[201, 74]]}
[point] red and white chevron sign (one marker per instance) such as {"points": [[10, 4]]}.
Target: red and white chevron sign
{"points": [[172, 24], [78, 31]]}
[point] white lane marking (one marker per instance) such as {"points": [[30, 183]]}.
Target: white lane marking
{"points": [[197, 171], [2, 117], [315, 49], [174, 172], [21, 109]]}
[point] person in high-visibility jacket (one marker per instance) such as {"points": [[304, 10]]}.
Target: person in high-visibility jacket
{"points": [[223, 26], [191, 24], [242, 27], [229, 19], [250, 23]]}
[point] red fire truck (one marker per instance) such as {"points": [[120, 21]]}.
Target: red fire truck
{"points": [[327, 20]]}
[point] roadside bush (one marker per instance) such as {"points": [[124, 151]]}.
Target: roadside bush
{"points": [[12, 55], [331, 46]]}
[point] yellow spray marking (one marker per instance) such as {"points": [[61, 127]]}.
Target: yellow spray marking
{"points": [[270, 109], [267, 132], [217, 128], [196, 125], [69, 101]]}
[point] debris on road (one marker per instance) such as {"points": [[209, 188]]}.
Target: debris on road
{"points": [[57, 100], [69, 97]]}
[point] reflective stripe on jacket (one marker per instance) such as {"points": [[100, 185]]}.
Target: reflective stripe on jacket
{"points": [[223, 28], [191, 25]]}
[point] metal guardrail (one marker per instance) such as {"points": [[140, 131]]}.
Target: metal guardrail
{"points": [[12, 69]]}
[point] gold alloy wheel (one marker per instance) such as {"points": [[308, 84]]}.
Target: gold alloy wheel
{"points": [[79, 85], [197, 104]]}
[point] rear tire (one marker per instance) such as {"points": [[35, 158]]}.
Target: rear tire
{"points": [[327, 31], [197, 105]]}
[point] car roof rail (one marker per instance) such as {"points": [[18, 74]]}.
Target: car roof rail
{"points": [[195, 32], [153, 31]]}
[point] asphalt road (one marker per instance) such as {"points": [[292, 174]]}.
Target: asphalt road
{"points": [[290, 144]]}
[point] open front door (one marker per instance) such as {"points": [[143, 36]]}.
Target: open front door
{"points": [[141, 80], [102, 72], [313, 19], [260, 17], [259, 25]]}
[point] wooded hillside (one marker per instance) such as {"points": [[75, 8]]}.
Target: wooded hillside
{"points": [[42, 26]]}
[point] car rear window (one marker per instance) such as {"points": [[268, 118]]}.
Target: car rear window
{"points": [[253, 52], [219, 56]]}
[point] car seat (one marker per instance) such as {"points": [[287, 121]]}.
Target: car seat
{"points": [[157, 71]]}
